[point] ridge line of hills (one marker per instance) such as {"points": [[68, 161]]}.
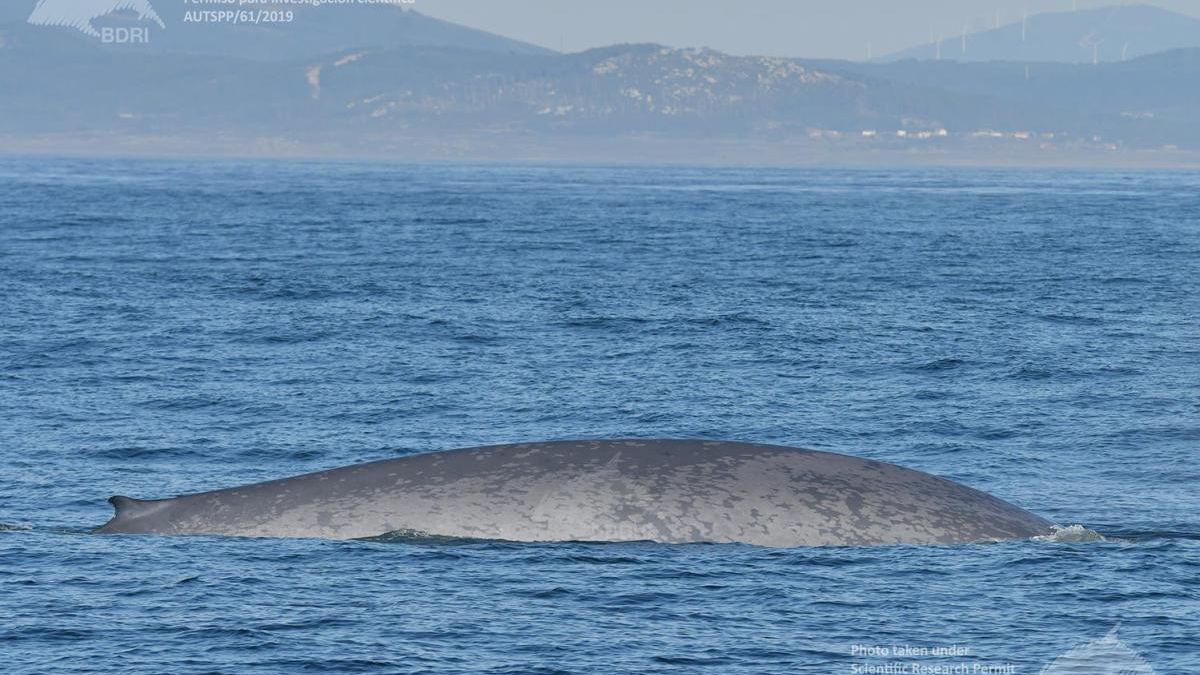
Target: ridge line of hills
{"points": [[496, 98]]}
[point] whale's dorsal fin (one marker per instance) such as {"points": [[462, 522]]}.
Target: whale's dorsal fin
{"points": [[128, 507]]}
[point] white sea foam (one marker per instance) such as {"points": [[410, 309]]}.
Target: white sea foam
{"points": [[1071, 533]]}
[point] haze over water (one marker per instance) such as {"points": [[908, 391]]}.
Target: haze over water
{"points": [[173, 326]]}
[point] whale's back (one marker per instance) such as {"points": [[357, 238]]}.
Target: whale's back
{"points": [[673, 491]]}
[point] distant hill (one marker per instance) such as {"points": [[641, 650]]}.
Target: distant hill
{"points": [[612, 90], [1106, 34], [311, 32], [62, 89], [623, 88], [1148, 98], [1144, 83]]}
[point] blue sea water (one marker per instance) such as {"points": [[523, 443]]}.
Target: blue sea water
{"points": [[171, 326]]}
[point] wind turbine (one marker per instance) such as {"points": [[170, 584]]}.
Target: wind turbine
{"points": [[1024, 18], [1124, 50], [1092, 40], [964, 40]]}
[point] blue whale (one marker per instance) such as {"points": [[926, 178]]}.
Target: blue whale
{"points": [[672, 491]]}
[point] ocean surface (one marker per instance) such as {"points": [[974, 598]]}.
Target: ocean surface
{"points": [[169, 327]]}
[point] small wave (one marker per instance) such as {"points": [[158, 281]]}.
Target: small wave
{"points": [[733, 318], [452, 221], [1143, 536], [545, 593], [692, 660], [420, 537], [949, 363], [1071, 319], [1070, 534], [148, 452], [181, 403], [604, 322]]}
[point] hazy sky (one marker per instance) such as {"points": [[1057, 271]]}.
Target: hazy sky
{"points": [[809, 28]]}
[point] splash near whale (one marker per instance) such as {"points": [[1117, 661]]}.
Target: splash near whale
{"points": [[670, 491]]}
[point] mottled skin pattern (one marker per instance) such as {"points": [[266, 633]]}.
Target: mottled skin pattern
{"points": [[674, 491]]}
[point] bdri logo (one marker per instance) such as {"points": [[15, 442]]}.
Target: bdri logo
{"points": [[79, 14], [1106, 656]]}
